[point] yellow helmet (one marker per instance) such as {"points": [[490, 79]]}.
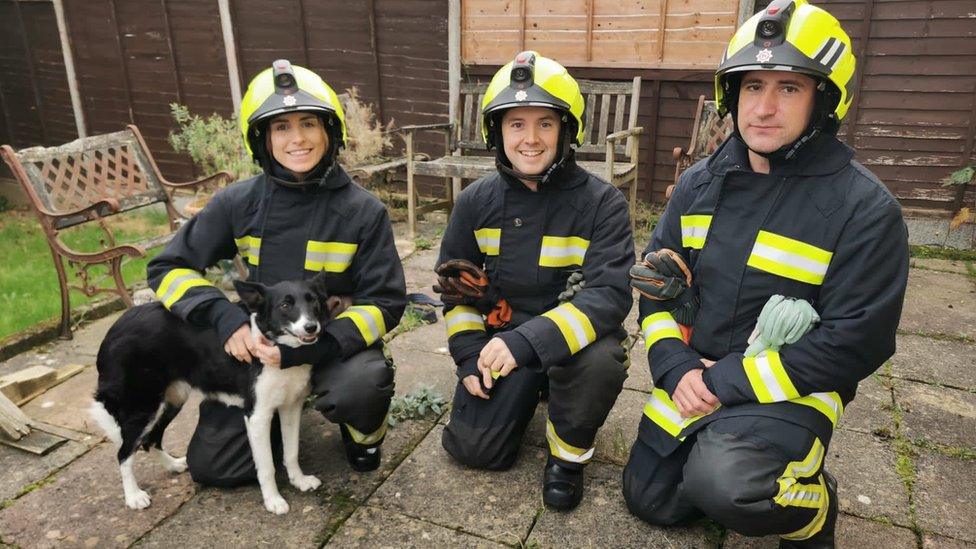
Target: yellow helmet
{"points": [[792, 35], [285, 88], [531, 80]]}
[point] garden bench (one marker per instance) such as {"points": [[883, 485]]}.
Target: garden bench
{"points": [[708, 132], [89, 180], [611, 138]]}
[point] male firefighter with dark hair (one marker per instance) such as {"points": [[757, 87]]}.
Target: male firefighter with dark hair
{"points": [[789, 247], [514, 239], [301, 216]]}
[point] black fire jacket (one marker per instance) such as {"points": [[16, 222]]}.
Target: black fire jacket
{"points": [[529, 243], [284, 233], [820, 228]]}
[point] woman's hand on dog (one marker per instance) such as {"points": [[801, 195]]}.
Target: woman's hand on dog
{"points": [[240, 345], [268, 353]]}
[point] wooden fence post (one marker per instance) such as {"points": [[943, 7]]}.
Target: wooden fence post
{"points": [[69, 68]]}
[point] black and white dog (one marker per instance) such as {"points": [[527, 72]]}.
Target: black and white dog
{"points": [[150, 360]]}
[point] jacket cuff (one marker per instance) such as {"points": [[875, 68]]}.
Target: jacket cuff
{"points": [[322, 350], [468, 367], [727, 380], [525, 356], [226, 318]]}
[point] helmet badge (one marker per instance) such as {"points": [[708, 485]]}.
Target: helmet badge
{"points": [[521, 95], [289, 100], [764, 55]]}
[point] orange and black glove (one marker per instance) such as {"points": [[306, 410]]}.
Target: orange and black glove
{"points": [[460, 282], [664, 276]]}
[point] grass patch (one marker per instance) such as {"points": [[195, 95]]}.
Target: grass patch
{"points": [[938, 252], [28, 280], [958, 452], [422, 243]]}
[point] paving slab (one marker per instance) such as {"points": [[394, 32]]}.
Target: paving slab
{"points": [[867, 484], [418, 368], [945, 362], [934, 541], [944, 489], [871, 408], [419, 269], [498, 505], [80, 350], [613, 440], [938, 414], [378, 528], [21, 469], [939, 303], [602, 520], [66, 405], [83, 504], [245, 522], [639, 373], [851, 532], [430, 338]]}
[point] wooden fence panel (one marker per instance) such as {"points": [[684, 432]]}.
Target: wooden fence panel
{"points": [[683, 34]]}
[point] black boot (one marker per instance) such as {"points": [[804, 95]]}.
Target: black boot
{"points": [[361, 458], [562, 487], [824, 539]]}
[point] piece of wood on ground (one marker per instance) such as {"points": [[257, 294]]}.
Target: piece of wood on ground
{"points": [[13, 422], [18, 386]]}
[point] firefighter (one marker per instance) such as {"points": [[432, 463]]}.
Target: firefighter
{"points": [[302, 215], [513, 240], [779, 212]]}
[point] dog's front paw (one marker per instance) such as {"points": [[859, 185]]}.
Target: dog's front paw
{"points": [[178, 465], [276, 504], [305, 482], [138, 500]]}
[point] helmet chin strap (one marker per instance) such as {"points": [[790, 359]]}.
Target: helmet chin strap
{"points": [[563, 154]]}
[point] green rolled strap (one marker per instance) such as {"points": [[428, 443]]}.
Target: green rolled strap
{"points": [[783, 320]]}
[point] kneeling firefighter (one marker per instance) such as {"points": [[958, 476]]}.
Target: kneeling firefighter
{"points": [[301, 216], [787, 262], [513, 241]]}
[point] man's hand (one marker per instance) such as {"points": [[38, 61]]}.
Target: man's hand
{"points": [[473, 385], [240, 345], [495, 357], [692, 397]]}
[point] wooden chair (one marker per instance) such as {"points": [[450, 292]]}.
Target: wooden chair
{"points": [[88, 180], [708, 132], [610, 138]]}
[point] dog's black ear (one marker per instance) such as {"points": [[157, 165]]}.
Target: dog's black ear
{"points": [[252, 294], [318, 285]]}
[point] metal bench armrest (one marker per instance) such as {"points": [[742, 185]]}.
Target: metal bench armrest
{"points": [[106, 206], [217, 178]]}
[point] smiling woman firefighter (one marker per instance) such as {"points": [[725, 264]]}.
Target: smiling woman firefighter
{"points": [[301, 216], [514, 241]]}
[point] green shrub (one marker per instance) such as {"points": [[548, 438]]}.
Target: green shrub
{"points": [[214, 143]]}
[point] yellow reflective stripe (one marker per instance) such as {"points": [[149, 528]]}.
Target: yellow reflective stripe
{"points": [[489, 240], [768, 377], [463, 318], [819, 519], [694, 229], [367, 439], [562, 251], [368, 319], [563, 450], [789, 258], [575, 327], [250, 248], [828, 404], [333, 257], [661, 410], [658, 326], [802, 495], [176, 283]]}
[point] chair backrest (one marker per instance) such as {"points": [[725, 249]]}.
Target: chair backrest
{"points": [[80, 173], [609, 105], [710, 130]]}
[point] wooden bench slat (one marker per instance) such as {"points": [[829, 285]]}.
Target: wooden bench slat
{"points": [[618, 115], [604, 115], [590, 106]]}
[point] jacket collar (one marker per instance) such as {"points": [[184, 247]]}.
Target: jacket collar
{"points": [[335, 177], [824, 155], [569, 176]]}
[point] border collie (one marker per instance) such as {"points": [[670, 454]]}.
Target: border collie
{"points": [[150, 360]]}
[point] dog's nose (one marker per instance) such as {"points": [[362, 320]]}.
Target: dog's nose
{"points": [[311, 327]]}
